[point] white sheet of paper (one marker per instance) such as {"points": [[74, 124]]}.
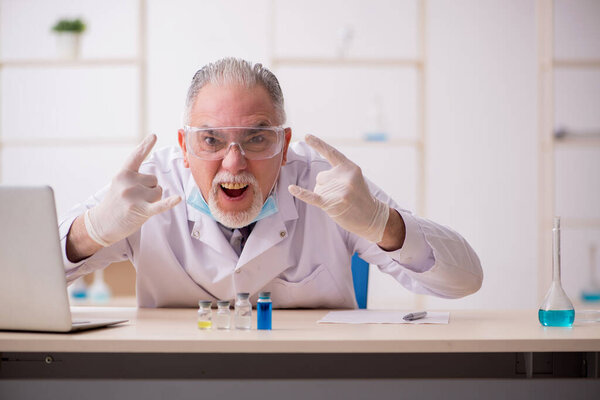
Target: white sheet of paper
{"points": [[382, 317]]}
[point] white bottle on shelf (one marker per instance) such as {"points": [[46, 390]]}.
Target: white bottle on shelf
{"points": [[99, 290], [78, 291], [375, 131]]}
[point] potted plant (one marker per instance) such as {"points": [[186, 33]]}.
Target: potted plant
{"points": [[68, 34]]}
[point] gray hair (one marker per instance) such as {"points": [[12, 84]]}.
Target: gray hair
{"points": [[240, 72]]}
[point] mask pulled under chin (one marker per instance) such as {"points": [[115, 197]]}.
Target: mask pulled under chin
{"points": [[196, 200]]}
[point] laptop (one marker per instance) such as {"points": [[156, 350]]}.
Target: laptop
{"points": [[33, 287]]}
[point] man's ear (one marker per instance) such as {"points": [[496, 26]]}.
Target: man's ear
{"points": [[181, 139], [288, 137]]}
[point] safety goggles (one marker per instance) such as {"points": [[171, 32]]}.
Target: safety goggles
{"points": [[255, 143]]}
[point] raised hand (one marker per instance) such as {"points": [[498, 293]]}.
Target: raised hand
{"points": [[131, 199], [344, 195]]}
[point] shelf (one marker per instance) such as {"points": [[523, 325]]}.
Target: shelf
{"points": [[373, 144], [351, 62], [68, 142], [580, 223], [591, 63], [115, 301], [573, 223], [102, 141], [69, 63], [586, 141]]}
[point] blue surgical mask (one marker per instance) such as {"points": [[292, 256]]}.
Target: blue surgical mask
{"points": [[196, 200]]}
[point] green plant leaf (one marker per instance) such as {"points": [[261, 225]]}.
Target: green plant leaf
{"points": [[69, 25]]}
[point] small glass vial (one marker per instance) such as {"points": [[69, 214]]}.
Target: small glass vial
{"points": [[264, 310], [204, 314], [556, 309], [243, 311], [223, 316]]}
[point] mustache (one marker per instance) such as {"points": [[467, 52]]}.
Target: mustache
{"points": [[225, 176]]}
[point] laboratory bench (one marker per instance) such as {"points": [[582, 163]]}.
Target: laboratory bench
{"points": [[166, 344], [160, 353]]}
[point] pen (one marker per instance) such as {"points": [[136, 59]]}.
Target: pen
{"points": [[415, 316]]}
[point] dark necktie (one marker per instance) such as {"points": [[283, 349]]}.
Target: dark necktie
{"points": [[239, 238]]}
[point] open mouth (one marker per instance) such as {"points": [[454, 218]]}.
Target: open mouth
{"points": [[233, 189]]}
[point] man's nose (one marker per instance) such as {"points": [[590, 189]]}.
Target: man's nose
{"points": [[234, 160]]}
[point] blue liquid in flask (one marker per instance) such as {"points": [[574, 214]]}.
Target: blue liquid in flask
{"points": [[556, 317]]}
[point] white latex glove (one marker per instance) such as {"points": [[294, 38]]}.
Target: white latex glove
{"points": [[131, 199], [344, 195]]}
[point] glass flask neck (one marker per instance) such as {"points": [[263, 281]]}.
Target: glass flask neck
{"points": [[556, 298], [556, 252]]}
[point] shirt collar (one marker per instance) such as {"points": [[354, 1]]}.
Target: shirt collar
{"points": [[193, 214]]}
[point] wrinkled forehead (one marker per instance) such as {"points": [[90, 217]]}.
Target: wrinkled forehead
{"points": [[232, 105]]}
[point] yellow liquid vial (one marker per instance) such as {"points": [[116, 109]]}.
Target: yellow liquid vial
{"points": [[204, 324]]}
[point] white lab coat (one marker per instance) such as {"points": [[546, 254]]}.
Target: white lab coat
{"points": [[299, 254]]}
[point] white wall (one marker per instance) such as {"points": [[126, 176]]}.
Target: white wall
{"points": [[481, 162], [184, 35], [577, 170], [480, 108]]}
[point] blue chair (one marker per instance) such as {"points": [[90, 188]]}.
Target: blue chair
{"points": [[360, 276]]}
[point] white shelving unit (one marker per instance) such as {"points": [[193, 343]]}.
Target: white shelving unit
{"points": [[314, 61], [122, 276], [68, 63], [44, 64], [548, 146], [344, 62]]}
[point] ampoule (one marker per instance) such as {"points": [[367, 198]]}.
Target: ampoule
{"points": [[223, 316], [204, 314], [243, 311], [264, 309]]}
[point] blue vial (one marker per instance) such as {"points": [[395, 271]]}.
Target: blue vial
{"points": [[264, 310]]}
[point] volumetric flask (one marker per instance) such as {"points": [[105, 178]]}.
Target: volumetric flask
{"points": [[556, 309]]}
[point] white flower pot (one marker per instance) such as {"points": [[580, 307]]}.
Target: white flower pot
{"points": [[67, 44]]}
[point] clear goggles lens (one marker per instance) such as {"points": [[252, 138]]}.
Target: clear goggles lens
{"points": [[254, 143]]}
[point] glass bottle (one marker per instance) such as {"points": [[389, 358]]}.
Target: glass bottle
{"points": [[243, 311], [99, 291], [204, 314], [78, 291], [591, 292], [223, 316], [375, 131], [556, 309], [264, 310]]}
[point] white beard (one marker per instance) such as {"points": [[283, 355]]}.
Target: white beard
{"points": [[235, 219]]}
